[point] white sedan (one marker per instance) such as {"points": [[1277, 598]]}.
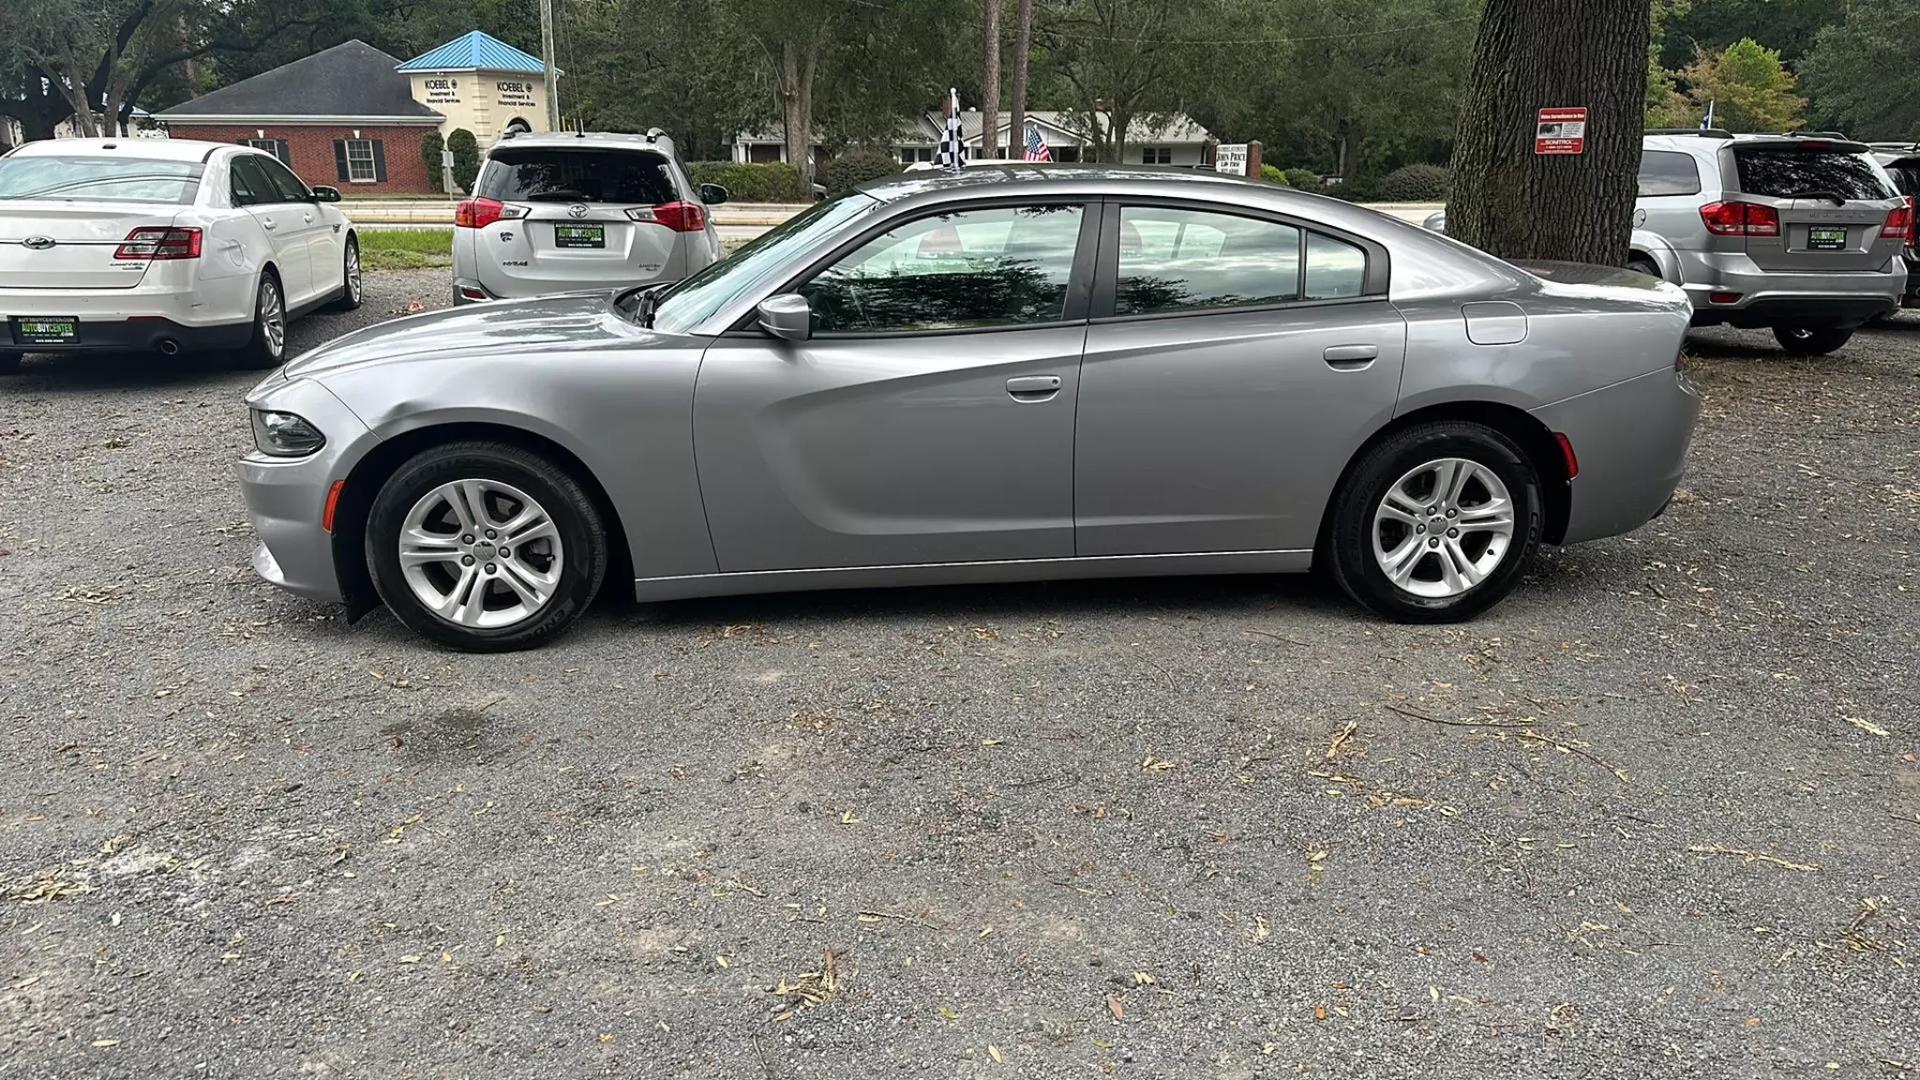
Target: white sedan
{"points": [[164, 245]]}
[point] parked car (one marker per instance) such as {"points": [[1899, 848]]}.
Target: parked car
{"points": [[1902, 162], [165, 246], [561, 211], [1799, 234], [1007, 375]]}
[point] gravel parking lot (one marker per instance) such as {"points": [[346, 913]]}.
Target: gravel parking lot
{"points": [[1656, 816]]}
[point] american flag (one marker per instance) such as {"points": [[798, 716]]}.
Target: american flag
{"points": [[953, 152], [1036, 146]]}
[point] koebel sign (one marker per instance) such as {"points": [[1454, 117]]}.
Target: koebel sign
{"points": [[1561, 131], [514, 93]]}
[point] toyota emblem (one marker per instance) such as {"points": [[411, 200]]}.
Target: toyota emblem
{"points": [[38, 243], [577, 210]]}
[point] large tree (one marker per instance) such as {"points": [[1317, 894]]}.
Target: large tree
{"points": [[1535, 54], [1117, 60], [1022, 48], [990, 78], [1864, 72], [1746, 85]]}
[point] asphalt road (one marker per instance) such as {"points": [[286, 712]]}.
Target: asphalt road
{"points": [[1656, 816]]}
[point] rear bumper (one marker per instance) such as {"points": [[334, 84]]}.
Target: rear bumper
{"points": [[1771, 298], [175, 302], [1631, 439], [140, 334]]}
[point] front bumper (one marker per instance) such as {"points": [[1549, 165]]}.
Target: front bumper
{"points": [[1631, 439], [286, 497], [1772, 298]]}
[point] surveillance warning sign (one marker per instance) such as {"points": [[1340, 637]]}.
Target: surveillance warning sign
{"points": [[1561, 131]]}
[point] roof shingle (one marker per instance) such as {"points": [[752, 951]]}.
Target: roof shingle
{"points": [[351, 79]]}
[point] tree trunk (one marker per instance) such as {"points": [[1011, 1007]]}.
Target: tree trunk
{"points": [[990, 88], [797, 63], [1535, 54], [1017, 115]]}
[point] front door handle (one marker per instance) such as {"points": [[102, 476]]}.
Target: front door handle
{"points": [[308, 218], [1033, 387], [267, 224], [1351, 357]]}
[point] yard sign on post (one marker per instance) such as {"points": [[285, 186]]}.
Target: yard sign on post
{"points": [[1230, 158], [1561, 131]]}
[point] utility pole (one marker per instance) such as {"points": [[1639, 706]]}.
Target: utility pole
{"points": [[546, 54]]}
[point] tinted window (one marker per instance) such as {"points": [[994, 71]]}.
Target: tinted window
{"points": [[1177, 260], [98, 178], [1906, 175], [1787, 171], [288, 185], [1664, 172], [992, 267], [1335, 268], [544, 174], [250, 184]]}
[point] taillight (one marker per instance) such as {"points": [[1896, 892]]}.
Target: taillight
{"points": [[1740, 219], [156, 242], [480, 213], [1900, 224], [678, 216]]}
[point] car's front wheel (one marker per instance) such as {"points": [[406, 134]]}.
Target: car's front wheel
{"points": [[485, 546], [267, 346], [1436, 523], [1811, 340]]}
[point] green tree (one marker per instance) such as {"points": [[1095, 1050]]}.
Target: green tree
{"points": [[1789, 25], [432, 146], [466, 158], [1865, 75], [1748, 87]]}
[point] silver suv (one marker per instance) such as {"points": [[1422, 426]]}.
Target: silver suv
{"points": [[561, 212], [1801, 234]]}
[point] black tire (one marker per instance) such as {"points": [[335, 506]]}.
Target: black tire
{"points": [[9, 362], [1645, 266], [265, 349], [353, 288], [1811, 340], [583, 542], [1350, 533]]}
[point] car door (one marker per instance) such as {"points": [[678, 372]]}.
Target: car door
{"points": [[1234, 363], [256, 193], [325, 245], [929, 417]]}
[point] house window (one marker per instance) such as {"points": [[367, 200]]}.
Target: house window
{"points": [[1066, 153], [1156, 155], [360, 168], [276, 147], [911, 154]]}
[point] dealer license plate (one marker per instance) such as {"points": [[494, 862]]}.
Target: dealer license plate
{"points": [[580, 236], [45, 331], [1826, 238]]}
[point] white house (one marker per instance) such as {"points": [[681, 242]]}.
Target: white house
{"points": [[1172, 140]]}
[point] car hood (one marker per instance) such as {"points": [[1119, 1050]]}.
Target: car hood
{"points": [[537, 328]]}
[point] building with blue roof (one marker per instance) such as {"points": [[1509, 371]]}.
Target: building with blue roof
{"points": [[481, 83]]}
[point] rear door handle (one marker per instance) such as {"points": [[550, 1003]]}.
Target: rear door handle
{"points": [[1033, 387], [1350, 357], [267, 224]]}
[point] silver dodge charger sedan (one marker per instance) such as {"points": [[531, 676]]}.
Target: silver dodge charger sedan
{"points": [[1011, 374]]}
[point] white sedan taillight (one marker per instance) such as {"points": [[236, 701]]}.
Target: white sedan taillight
{"points": [[155, 242]]}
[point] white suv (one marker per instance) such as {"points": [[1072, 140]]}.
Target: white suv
{"points": [[164, 245], [561, 212]]}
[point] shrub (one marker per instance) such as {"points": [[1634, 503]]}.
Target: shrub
{"points": [[466, 158], [856, 167], [1418, 182], [1304, 179], [1273, 175], [769, 181], [431, 144]]}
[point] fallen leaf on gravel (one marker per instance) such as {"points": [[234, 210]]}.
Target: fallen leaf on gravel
{"points": [[1339, 739], [1753, 857], [994, 1053], [1319, 1012], [1261, 932], [1866, 725], [1116, 1007], [1152, 764], [106, 1042]]}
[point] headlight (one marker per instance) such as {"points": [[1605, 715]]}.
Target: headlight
{"points": [[282, 434]]}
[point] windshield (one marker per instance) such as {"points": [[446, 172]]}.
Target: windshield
{"points": [[96, 179], [693, 301]]}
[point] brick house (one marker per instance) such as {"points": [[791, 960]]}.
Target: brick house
{"points": [[344, 117]]}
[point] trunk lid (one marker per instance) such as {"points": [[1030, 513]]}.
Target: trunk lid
{"points": [[49, 244], [1832, 202], [580, 229]]}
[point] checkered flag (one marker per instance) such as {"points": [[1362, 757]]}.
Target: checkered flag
{"points": [[953, 150]]}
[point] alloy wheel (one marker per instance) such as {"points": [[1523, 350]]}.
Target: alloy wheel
{"points": [[480, 554], [353, 273], [1443, 527], [273, 317]]}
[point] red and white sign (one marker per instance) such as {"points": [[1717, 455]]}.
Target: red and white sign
{"points": [[1561, 131]]}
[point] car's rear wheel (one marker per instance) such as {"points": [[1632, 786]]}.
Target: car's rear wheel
{"points": [[1802, 340], [485, 546], [1436, 523], [267, 347], [349, 277], [1645, 266]]}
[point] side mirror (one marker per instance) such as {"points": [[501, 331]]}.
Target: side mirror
{"points": [[787, 317], [323, 193], [713, 194]]}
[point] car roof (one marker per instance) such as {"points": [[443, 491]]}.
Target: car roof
{"points": [[151, 149], [1710, 141], [1025, 178], [610, 140]]}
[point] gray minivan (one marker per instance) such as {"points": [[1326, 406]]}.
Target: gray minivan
{"points": [[561, 212]]}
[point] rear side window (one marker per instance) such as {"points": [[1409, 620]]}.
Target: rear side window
{"points": [[1186, 260], [105, 179], [1906, 175], [1787, 171], [1664, 172], [548, 174]]}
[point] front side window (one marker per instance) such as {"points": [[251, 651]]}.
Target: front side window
{"points": [[546, 174], [360, 168], [98, 179], [679, 308], [1181, 260], [999, 266], [1664, 172]]}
